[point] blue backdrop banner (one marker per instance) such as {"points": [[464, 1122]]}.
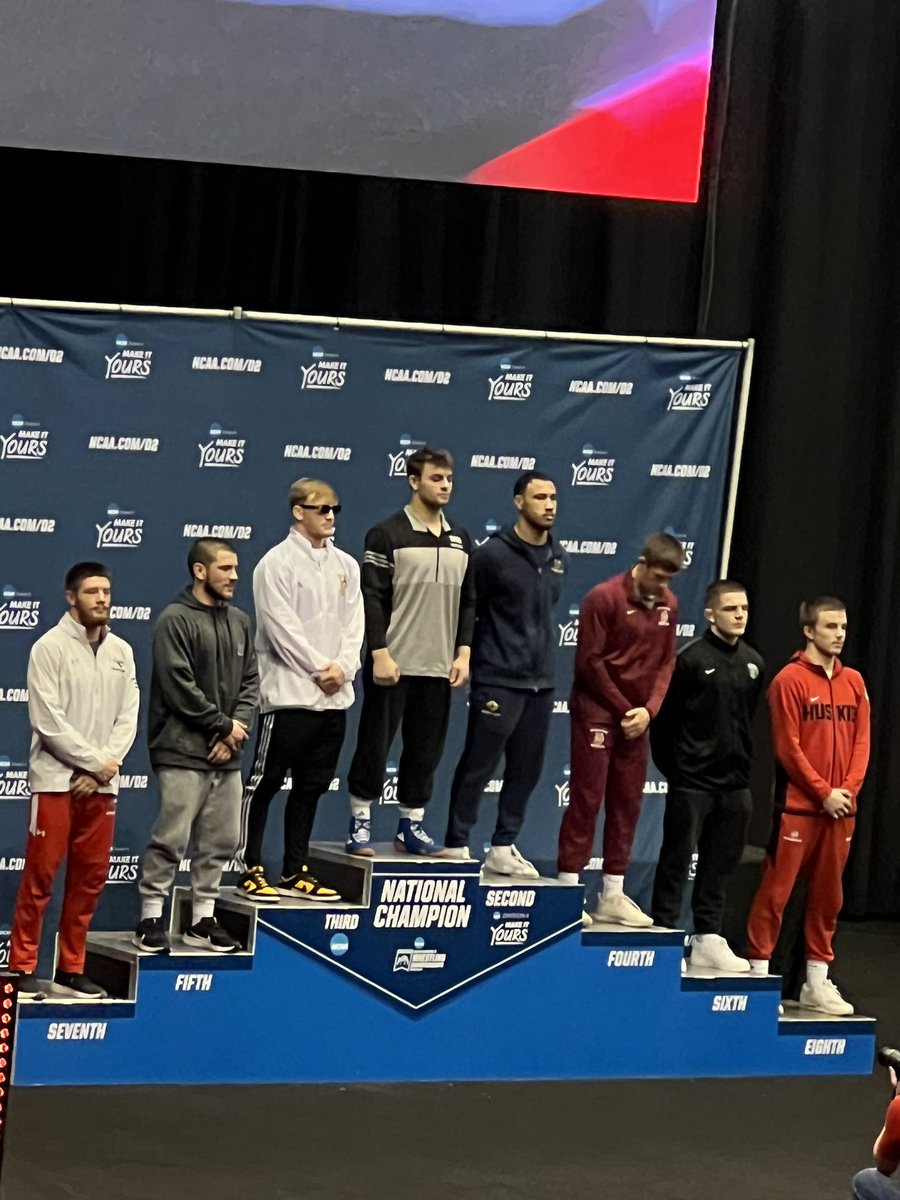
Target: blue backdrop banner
{"points": [[125, 435]]}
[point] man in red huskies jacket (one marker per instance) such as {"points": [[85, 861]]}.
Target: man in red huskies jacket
{"points": [[820, 734], [623, 664]]}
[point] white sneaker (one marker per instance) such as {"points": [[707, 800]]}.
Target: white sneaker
{"points": [[459, 853], [586, 922], [714, 954], [759, 967], [506, 860], [824, 997], [620, 910]]}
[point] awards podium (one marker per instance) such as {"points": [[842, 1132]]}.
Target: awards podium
{"points": [[427, 969]]}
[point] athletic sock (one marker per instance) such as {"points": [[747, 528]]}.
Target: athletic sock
{"points": [[200, 909], [151, 909], [412, 814], [759, 966], [613, 885], [816, 973], [361, 809], [569, 877]]}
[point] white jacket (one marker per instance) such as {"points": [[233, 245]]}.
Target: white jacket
{"points": [[309, 613], [83, 707]]}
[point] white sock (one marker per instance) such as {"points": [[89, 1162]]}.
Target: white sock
{"points": [[150, 909], [361, 809], [200, 909], [413, 814], [569, 877], [759, 966], [816, 973], [613, 885]]}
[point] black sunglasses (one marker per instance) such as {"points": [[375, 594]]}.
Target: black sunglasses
{"points": [[322, 509]]}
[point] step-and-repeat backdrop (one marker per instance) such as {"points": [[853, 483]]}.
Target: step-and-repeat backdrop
{"points": [[123, 436]]}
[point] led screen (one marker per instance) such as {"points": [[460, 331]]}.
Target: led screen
{"points": [[595, 96]]}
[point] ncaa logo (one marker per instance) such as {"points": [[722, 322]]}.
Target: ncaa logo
{"points": [[13, 779], [27, 442], [326, 373], [490, 528], [568, 632], [397, 462], [122, 531], [225, 448], [18, 610], [596, 468]]}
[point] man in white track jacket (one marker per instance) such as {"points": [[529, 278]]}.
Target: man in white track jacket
{"points": [[83, 704], [310, 626]]}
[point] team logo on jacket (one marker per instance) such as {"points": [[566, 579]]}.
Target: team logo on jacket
{"points": [[123, 530], [491, 708], [510, 384], [224, 449], [27, 442], [753, 670], [596, 468], [568, 631], [326, 373], [663, 614], [132, 360], [598, 739], [397, 460]]}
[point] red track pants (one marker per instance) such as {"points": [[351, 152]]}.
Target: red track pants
{"points": [[604, 764], [62, 825], [819, 846]]}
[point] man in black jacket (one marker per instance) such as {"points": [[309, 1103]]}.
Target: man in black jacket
{"points": [[518, 580], [702, 741], [203, 697]]}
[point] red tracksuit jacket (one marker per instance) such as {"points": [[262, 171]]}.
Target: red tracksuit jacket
{"points": [[820, 733], [626, 651]]}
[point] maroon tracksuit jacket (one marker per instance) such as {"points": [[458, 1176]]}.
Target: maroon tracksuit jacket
{"points": [[624, 660]]}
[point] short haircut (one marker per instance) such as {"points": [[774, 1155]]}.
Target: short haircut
{"points": [[204, 551], [520, 487], [810, 609], [428, 454], [77, 574], [717, 590], [302, 489], [663, 550]]}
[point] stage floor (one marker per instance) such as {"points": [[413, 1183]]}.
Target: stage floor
{"points": [[675, 1140]]}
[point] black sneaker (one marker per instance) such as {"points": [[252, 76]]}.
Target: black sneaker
{"points": [[30, 987], [210, 935], [151, 936], [69, 983]]}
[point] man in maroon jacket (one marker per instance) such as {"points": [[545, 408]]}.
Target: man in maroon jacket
{"points": [[623, 664]]}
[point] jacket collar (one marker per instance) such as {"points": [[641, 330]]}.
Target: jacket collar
{"points": [[70, 626], [419, 525]]}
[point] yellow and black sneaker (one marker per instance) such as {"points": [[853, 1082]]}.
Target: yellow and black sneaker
{"points": [[254, 885], [305, 886]]}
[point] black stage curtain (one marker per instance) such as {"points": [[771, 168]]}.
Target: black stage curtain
{"points": [[793, 242]]}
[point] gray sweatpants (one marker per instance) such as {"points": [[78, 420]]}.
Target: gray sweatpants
{"points": [[197, 808]]}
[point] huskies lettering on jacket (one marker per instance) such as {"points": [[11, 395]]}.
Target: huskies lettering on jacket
{"points": [[828, 712]]}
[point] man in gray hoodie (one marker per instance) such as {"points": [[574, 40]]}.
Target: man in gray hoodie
{"points": [[203, 698]]}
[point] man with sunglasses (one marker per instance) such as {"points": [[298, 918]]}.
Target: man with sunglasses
{"points": [[309, 631]]}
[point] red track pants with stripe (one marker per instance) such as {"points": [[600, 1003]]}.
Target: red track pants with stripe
{"points": [[62, 825], [605, 765], [818, 845]]}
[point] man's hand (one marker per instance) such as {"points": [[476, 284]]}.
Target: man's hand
{"points": [[385, 671], [330, 680], [459, 669], [839, 803], [635, 722], [106, 772], [220, 753], [238, 733], [82, 785]]}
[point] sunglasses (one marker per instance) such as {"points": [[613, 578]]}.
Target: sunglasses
{"points": [[322, 509]]}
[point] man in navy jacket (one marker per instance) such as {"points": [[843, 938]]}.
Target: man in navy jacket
{"points": [[518, 579]]}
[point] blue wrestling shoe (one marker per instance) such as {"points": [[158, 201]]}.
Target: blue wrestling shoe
{"points": [[359, 837], [411, 838]]}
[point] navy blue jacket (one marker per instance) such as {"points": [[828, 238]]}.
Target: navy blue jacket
{"points": [[516, 638]]}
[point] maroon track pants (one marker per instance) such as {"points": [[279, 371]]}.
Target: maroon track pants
{"points": [[62, 825], [605, 765], [818, 845]]}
